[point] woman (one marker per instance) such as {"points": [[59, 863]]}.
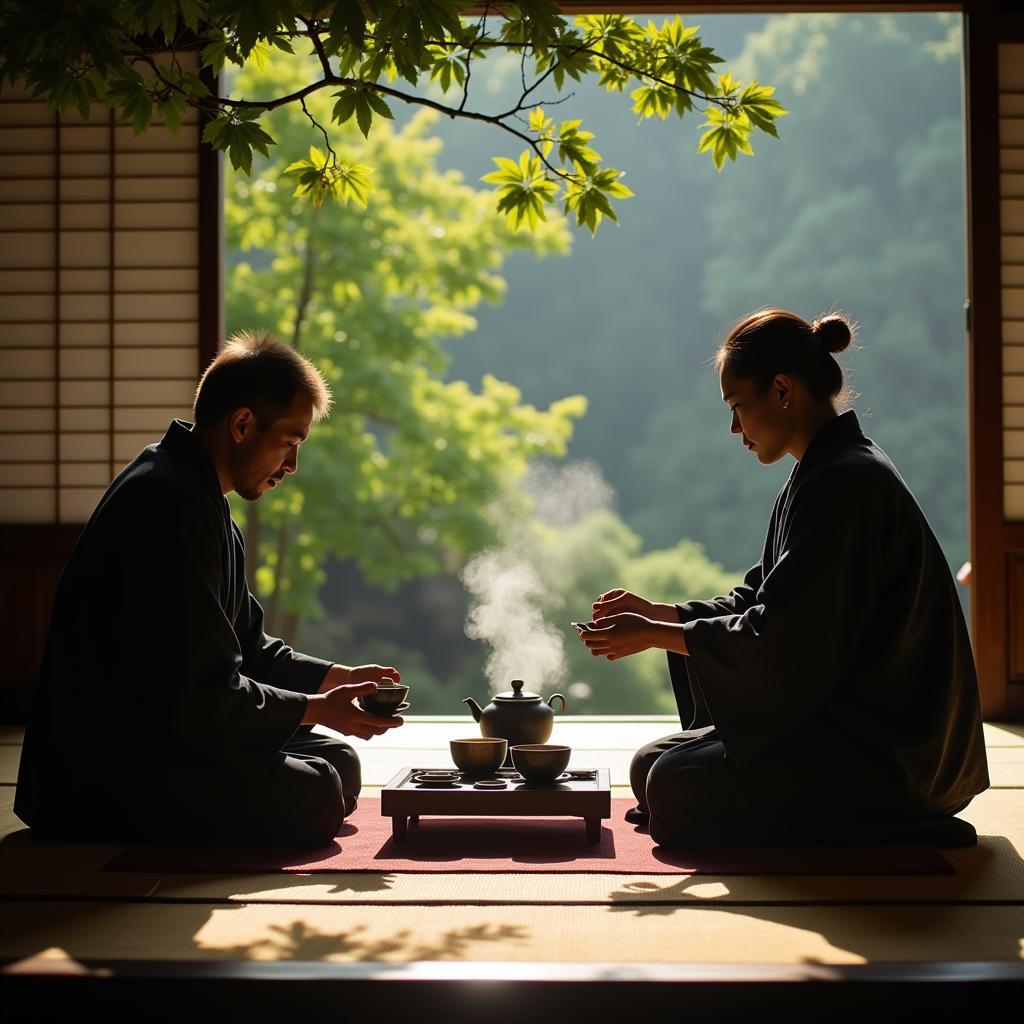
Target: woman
{"points": [[832, 696]]}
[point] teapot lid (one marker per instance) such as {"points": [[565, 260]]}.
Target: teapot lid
{"points": [[517, 694]]}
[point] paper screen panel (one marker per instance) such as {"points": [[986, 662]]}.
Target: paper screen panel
{"points": [[1011, 151], [42, 421], [99, 308], [22, 335], [27, 309]]}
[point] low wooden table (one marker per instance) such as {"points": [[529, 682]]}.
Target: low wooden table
{"points": [[405, 800]]}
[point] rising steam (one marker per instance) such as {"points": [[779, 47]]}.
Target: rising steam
{"points": [[509, 595]]}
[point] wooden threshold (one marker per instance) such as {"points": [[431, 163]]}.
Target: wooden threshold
{"points": [[500, 992]]}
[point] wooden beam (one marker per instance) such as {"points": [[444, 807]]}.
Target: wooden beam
{"points": [[211, 242], [513, 992]]}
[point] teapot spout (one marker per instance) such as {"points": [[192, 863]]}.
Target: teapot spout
{"points": [[474, 707]]}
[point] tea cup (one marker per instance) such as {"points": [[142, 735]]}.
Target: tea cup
{"points": [[480, 755], [386, 700], [540, 762]]}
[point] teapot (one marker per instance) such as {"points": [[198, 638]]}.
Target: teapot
{"points": [[516, 715]]}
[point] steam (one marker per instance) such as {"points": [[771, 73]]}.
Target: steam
{"points": [[563, 495], [507, 582], [507, 614]]}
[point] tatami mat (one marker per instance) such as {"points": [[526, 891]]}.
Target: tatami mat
{"points": [[8, 822], [10, 755], [626, 934], [991, 872]]}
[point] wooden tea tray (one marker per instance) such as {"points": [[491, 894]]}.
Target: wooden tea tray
{"points": [[404, 800]]}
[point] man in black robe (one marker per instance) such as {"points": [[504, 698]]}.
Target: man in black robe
{"points": [[163, 711], [830, 697]]}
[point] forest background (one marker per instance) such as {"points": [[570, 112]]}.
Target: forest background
{"points": [[543, 405]]}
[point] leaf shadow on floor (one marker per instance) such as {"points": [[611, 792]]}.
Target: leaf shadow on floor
{"points": [[874, 918]]}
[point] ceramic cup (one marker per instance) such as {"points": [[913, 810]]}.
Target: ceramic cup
{"points": [[386, 700], [540, 762], [481, 755]]}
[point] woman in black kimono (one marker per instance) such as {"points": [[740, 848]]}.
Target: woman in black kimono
{"points": [[832, 695]]}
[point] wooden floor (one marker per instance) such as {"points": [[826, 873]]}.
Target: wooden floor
{"points": [[57, 904]]}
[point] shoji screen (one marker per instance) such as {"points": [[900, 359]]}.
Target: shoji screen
{"points": [[99, 301], [1011, 166]]}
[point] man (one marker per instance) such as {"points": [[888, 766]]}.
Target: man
{"points": [[163, 711]]}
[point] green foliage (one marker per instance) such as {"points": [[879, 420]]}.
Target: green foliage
{"points": [[126, 54], [869, 220], [861, 211], [239, 135], [525, 189], [729, 129], [399, 477], [364, 103], [318, 175]]}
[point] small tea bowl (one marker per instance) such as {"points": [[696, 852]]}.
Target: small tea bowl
{"points": [[481, 755], [386, 700], [540, 762]]}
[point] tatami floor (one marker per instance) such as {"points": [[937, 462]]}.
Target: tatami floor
{"points": [[56, 902]]}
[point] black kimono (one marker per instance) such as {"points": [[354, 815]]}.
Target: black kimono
{"points": [[832, 695], [163, 711]]}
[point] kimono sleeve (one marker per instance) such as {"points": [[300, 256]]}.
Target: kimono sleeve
{"points": [[737, 601], [272, 661], [693, 712], [765, 670], [188, 656]]}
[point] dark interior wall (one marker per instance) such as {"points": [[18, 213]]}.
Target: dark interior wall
{"points": [[32, 556], [31, 561]]}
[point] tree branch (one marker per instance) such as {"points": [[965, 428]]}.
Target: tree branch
{"points": [[317, 124], [469, 55], [318, 45], [224, 105], [504, 44], [422, 101]]}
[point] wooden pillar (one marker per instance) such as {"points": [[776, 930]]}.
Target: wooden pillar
{"points": [[994, 98]]}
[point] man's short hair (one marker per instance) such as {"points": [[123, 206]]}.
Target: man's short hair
{"points": [[259, 371]]}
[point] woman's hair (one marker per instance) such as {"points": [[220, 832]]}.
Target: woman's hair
{"points": [[257, 370], [773, 341]]}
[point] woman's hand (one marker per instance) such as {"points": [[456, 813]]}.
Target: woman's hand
{"points": [[342, 675], [616, 601], [618, 636]]}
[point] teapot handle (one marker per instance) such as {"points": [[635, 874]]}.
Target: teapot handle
{"points": [[557, 696]]}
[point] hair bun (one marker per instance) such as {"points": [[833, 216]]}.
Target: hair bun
{"points": [[833, 332]]}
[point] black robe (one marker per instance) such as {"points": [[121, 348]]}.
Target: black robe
{"points": [[157, 673], [844, 650]]}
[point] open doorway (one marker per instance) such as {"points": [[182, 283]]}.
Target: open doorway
{"points": [[858, 206]]}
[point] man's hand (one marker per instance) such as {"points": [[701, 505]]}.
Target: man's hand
{"points": [[617, 601], [336, 710], [342, 675]]}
